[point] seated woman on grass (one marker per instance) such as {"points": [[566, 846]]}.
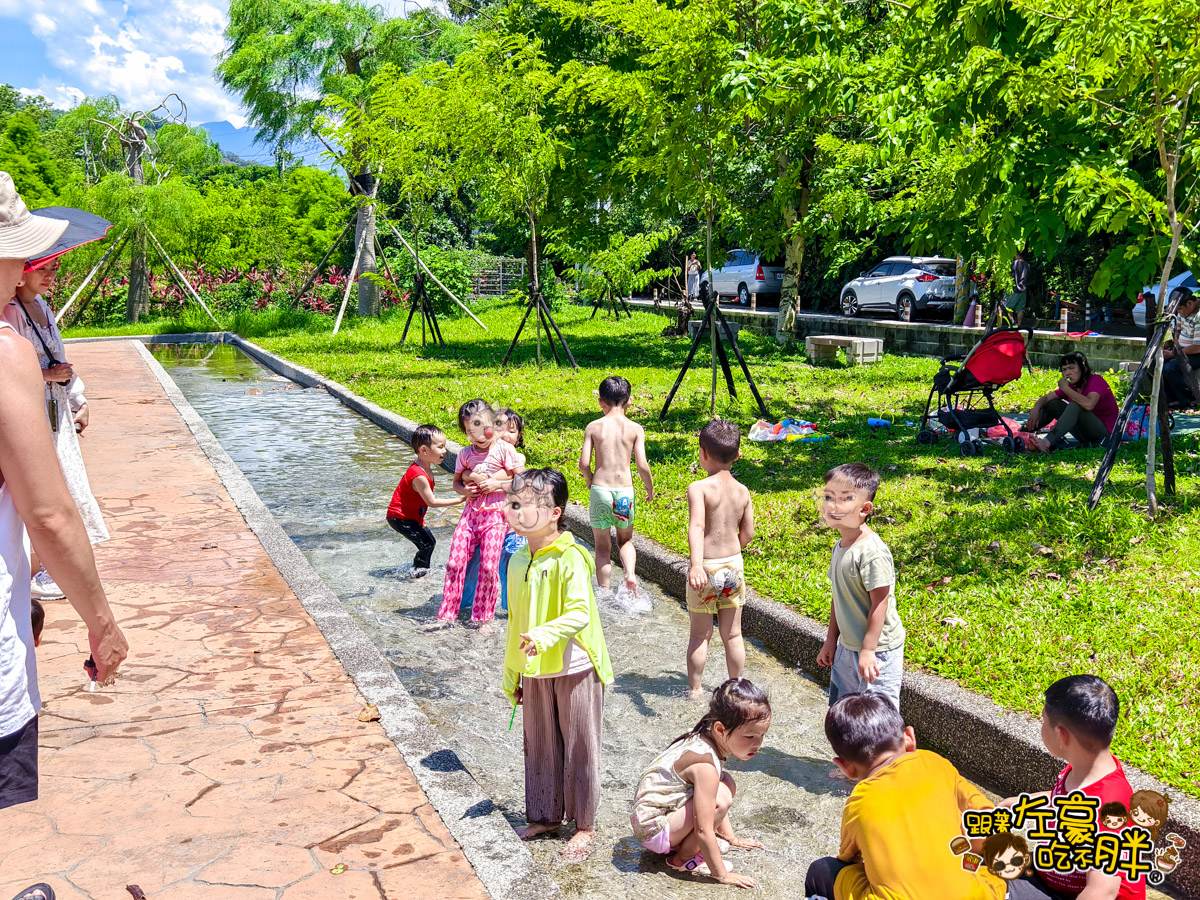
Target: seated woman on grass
{"points": [[1083, 404]]}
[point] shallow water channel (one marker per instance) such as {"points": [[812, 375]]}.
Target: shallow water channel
{"points": [[327, 474]]}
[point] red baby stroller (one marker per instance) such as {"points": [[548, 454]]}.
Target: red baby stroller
{"points": [[964, 391]]}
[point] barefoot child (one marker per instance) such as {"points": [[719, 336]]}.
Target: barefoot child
{"points": [[898, 822], [413, 496], [484, 466], [682, 803], [720, 524], [555, 663], [864, 644], [613, 439]]}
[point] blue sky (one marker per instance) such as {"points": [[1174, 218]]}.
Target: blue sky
{"points": [[137, 50]]}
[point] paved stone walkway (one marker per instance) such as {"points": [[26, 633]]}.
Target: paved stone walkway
{"points": [[228, 761]]}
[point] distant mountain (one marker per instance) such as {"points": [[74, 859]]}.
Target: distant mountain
{"points": [[242, 145]]}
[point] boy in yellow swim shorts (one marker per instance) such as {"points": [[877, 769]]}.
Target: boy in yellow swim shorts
{"points": [[720, 524]]}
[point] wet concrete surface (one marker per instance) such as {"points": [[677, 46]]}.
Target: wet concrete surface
{"points": [[327, 474]]}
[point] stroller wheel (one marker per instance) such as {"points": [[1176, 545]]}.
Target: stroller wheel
{"points": [[967, 448], [978, 447], [1010, 445], [926, 436]]}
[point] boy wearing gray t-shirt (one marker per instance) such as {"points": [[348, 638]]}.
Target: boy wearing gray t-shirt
{"points": [[864, 646]]}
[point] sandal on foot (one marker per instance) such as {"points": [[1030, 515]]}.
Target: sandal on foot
{"points": [[41, 891]]}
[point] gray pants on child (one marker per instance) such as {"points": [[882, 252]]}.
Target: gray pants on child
{"points": [[844, 679]]}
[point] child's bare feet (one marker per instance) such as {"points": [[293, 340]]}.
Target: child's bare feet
{"points": [[489, 627], [535, 829], [696, 693], [579, 847]]}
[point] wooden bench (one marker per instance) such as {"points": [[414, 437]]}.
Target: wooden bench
{"points": [[859, 350]]}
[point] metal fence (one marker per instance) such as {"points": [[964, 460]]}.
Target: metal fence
{"points": [[496, 276]]}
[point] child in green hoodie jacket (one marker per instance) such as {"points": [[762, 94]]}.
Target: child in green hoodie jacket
{"points": [[555, 664]]}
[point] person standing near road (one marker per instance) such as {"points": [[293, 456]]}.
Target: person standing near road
{"points": [[692, 269], [35, 506], [1014, 303]]}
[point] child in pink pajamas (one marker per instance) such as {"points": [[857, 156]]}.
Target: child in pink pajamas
{"points": [[484, 470]]}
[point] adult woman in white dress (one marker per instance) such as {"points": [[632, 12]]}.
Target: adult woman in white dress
{"points": [[66, 405]]}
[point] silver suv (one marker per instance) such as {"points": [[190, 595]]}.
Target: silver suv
{"points": [[903, 285], [746, 272]]}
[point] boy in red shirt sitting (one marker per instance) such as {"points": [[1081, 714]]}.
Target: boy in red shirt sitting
{"points": [[413, 496], [1078, 721]]}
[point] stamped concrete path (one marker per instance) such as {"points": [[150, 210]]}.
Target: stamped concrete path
{"points": [[229, 760]]}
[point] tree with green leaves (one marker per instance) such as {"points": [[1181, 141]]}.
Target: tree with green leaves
{"points": [[288, 59]]}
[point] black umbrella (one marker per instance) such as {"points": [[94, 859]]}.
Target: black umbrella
{"points": [[83, 228]]}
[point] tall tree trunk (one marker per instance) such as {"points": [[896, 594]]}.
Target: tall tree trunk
{"points": [[793, 254], [137, 303], [368, 290]]}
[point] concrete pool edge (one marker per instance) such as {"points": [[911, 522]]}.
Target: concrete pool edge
{"points": [[501, 861], [998, 748]]}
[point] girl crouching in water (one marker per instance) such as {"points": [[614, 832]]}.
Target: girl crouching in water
{"points": [[682, 803], [555, 663]]}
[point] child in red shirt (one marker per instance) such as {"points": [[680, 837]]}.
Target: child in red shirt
{"points": [[1078, 721], [413, 496]]}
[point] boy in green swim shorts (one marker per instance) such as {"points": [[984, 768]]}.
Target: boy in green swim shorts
{"points": [[720, 524], [614, 440]]}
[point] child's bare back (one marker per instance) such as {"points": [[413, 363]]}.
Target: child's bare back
{"points": [[725, 501], [613, 438]]}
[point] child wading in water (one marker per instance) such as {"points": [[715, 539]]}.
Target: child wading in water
{"points": [[413, 496], [720, 524], [555, 663], [682, 803], [614, 440], [484, 469]]}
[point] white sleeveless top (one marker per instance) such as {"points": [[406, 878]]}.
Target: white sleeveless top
{"points": [[19, 699], [661, 786]]}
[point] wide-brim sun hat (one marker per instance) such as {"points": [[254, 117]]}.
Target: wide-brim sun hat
{"points": [[82, 228], [22, 234]]}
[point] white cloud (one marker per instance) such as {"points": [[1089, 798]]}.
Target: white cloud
{"points": [[63, 96], [141, 50], [137, 50]]}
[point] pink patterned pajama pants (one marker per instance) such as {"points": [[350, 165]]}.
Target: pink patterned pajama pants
{"points": [[484, 529]]}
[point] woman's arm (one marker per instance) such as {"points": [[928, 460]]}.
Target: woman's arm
{"points": [[1087, 401]]}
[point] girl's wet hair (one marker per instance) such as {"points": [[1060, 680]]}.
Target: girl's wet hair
{"points": [[735, 703], [474, 408], [505, 413], [1075, 358]]}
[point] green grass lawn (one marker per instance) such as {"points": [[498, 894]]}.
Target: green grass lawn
{"points": [[1007, 544]]}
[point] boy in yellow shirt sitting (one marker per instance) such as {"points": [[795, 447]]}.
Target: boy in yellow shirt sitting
{"points": [[905, 809]]}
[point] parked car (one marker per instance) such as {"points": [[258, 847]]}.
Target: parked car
{"points": [[1184, 281], [746, 272], [903, 285]]}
